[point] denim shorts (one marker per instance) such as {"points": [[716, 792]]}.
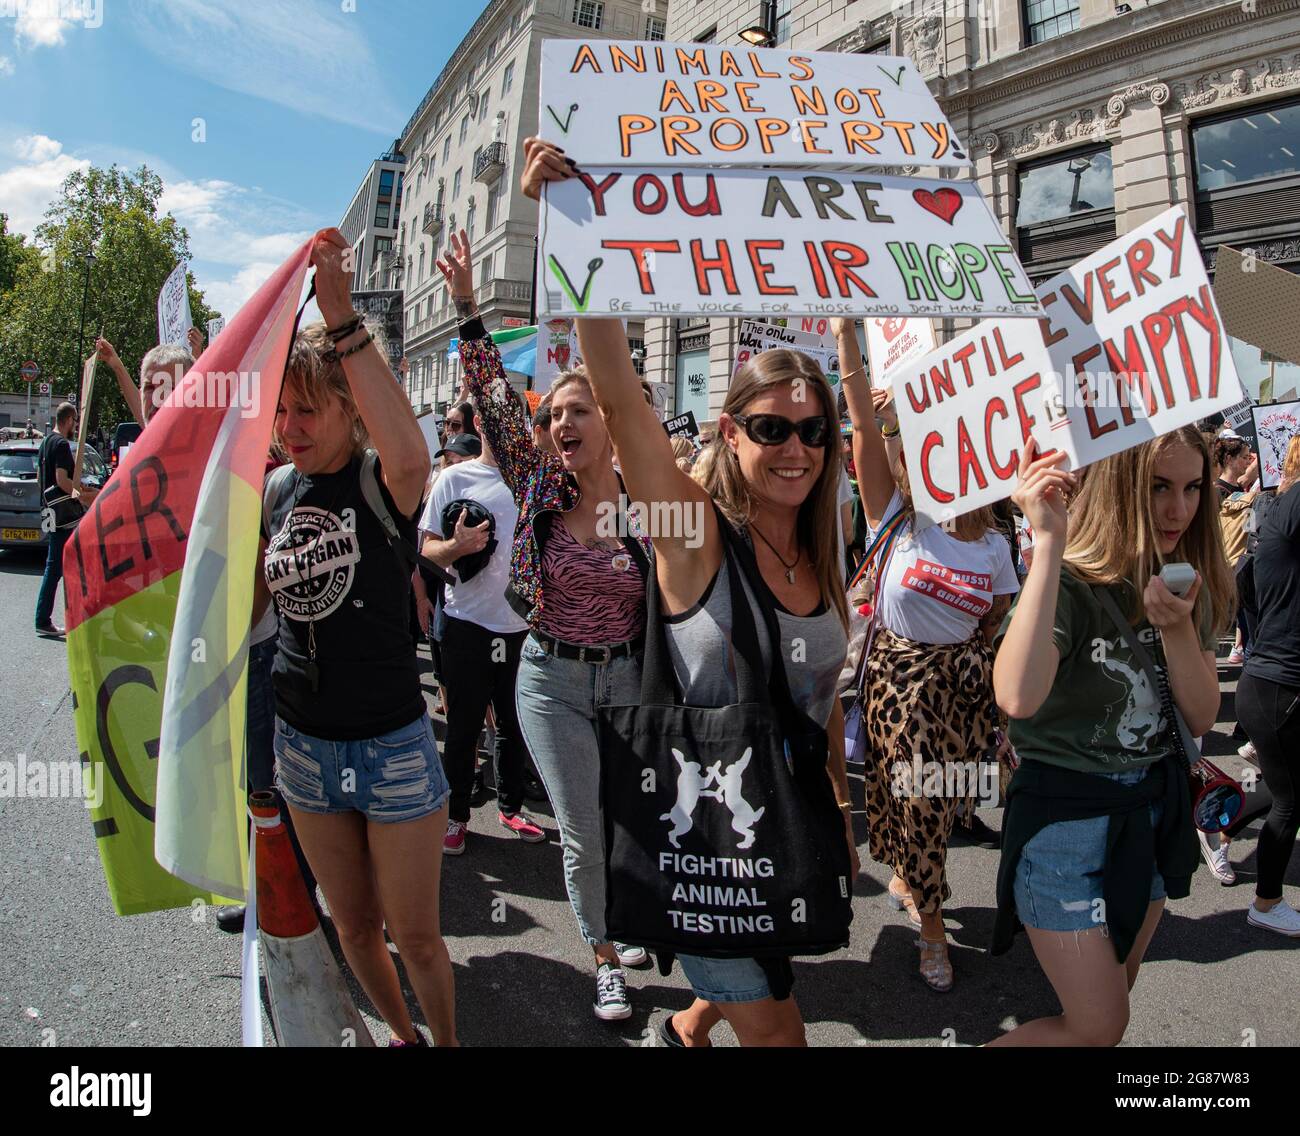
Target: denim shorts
{"points": [[395, 777], [1059, 876], [725, 980]]}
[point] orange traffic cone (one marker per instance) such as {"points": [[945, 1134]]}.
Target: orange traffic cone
{"points": [[310, 1003]]}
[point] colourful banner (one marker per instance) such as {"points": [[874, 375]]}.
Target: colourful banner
{"points": [[159, 579]]}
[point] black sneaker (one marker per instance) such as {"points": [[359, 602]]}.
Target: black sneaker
{"points": [[979, 834], [534, 790], [477, 791], [230, 918], [49, 631], [611, 994]]}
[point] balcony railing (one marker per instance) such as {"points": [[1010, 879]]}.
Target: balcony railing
{"points": [[497, 290], [491, 163], [432, 221]]}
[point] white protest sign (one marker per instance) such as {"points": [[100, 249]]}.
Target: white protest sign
{"points": [[770, 243], [654, 104], [753, 338], [556, 347], [894, 342], [1238, 414], [215, 327], [1275, 426], [1132, 347], [174, 318]]}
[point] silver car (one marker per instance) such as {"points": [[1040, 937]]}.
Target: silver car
{"points": [[20, 491]]}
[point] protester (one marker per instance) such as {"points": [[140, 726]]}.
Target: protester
{"points": [[459, 421], [1268, 696], [62, 505], [582, 592], [930, 711], [542, 427], [683, 453], [481, 637], [1238, 467], [160, 370], [355, 754], [1098, 827]]}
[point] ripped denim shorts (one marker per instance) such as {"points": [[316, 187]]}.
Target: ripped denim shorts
{"points": [[1058, 878], [395, 777]]}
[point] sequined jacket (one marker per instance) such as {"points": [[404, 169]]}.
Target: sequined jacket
{"points": [[535, 478]]}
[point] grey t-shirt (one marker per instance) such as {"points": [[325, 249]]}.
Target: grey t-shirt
{"points": [[812, 647]]}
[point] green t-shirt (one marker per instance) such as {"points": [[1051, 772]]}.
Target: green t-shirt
{"points": [[1102, 715]]}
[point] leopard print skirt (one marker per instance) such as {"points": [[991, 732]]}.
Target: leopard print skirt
{"points": [[929, 709]]}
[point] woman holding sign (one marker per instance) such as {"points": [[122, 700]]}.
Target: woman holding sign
{"points": [[1096, 663], [930, 712], [774, 474], [582, 590]]}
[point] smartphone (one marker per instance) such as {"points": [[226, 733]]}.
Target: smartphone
{"points": [[1178, 577]]}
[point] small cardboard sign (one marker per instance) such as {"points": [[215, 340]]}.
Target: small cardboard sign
{"points": [[683, 424]]}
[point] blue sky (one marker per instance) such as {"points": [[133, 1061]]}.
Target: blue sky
{"points": [[297, 98]]}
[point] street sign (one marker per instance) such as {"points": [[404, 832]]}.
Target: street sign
{"points": [[44, 389], [29, 370], [513, 321]]}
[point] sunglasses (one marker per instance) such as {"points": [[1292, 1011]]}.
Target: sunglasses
{"points": [[774, 429]]}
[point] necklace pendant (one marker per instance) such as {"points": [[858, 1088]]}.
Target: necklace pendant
{"points": [[789, 575]]}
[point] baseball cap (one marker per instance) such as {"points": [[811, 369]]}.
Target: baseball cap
{"points": [[464, 445]]}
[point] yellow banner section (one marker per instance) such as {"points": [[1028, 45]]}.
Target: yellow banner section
{"points": [[117, 663]]}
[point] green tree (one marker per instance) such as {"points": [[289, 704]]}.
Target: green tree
{"points": [[14, 253], [113, 214]]}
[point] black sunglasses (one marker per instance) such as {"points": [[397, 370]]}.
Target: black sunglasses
{"points": [[774, 429]]}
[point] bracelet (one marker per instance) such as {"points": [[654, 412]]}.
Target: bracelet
{"points": [[855, 371], [346, 328], [890, 432], [334, 355], [846, 805]]}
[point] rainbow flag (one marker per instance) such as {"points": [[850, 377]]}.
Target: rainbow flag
{"points": [[159, 580]]}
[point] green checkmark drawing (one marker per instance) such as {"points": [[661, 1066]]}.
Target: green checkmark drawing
{"points": [[579, 302], [898, 79]]}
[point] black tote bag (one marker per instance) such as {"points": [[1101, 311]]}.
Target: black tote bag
{"points": [[722, 834]]}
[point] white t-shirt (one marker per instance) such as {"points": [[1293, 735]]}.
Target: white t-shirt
{"points": [[482, 598], [937, 588]]}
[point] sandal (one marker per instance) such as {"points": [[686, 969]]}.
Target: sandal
{"points": [[936, 968], [906, 903]]}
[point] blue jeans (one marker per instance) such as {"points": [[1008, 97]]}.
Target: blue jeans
{"points": [[53, 574], [557, 701], [725, 980], [1059, 875]]}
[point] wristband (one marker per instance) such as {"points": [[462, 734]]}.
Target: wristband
{"points": [[846, 805], [346, 328], [890, 431]]}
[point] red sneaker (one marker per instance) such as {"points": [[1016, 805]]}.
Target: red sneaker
{"points": [[523, 827], [453, 844]]}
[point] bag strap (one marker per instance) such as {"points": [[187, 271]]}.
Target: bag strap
{"points": [[271, 489], [1186, 742], [880, 545]]}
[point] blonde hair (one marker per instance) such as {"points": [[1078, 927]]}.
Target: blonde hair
{"points": [[316, 380], [1290, 465], [683, 452], [717, 468], [967, 527], [1113, 527]]}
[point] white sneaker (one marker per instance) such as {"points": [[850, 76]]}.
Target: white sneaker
{"points": [[1248, 752], [629, 955], [1236, 657], [1216, 858], [611, 1003], [1281, 917]]}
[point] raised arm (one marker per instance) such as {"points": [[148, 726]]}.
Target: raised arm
{"points": [[870, 457], [505, 425], [379, 397], [130, 392], [1025, 667]]}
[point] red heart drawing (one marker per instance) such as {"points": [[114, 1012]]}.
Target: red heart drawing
{"points": [[943, 203], [890, 328]]}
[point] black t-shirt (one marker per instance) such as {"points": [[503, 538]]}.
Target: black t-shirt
{"points": [[55, 454], [332, 572], [1275, 654]]}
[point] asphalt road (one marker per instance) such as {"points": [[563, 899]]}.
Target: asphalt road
{"points": [[69, 965]]}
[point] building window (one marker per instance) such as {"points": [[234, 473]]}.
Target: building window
{"points": [[493, 202], [637, 349], [471, 215], [783, 8], [1047, 19], [507, 78], [464, 128], [483, 100], [709, 36], [455, 186], [420, 279], [1065, 209], [515, 21], [491, 52], [486, 271], [1247, 146], [654, 27], [588, 13], [385, 183], [382, 212], [446, 150]]}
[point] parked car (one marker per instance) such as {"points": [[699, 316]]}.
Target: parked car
{"points": [[125, 435], [20, 492]]}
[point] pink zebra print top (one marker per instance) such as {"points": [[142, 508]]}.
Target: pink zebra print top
{"points": [[594, 596]]}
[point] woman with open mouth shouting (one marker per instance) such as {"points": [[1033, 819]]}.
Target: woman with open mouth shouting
{"points": [[582, 590]]}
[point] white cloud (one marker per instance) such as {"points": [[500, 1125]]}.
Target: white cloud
{"points": [[228, 296], [299, 54], [6, 66], [37, 148], [39, 26]]}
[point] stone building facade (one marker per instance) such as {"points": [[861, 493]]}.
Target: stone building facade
{"points": [[1085, 119]]}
